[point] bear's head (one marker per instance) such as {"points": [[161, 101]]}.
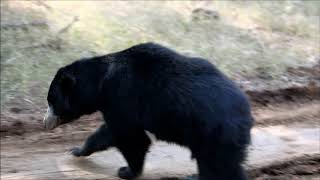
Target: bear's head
{"points": [[72, 93]]}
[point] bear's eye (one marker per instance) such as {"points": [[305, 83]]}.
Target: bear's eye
{"points": [[64, 87], [67, 84]]}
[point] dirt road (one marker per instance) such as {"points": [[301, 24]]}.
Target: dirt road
{"points": [[285, 145]]}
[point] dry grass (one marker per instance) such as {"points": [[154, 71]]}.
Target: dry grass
{"points": [[250, 37]]}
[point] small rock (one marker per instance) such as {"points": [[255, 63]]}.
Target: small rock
{"points": [[13, 171], [204, 14], [15, 110]]}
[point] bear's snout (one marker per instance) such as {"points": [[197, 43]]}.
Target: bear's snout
{"points": [[51, 120]]}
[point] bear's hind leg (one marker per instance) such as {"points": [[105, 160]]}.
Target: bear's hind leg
{"points": [[133, 147], [207, 172], [221, 163]]}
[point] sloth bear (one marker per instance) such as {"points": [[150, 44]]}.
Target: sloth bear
{"points": [[148, 87]]}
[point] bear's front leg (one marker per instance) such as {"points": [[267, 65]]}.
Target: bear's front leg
{"points": [[100, 140]]}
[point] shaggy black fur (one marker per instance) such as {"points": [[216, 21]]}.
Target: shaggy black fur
{"points": [[179, 99]]}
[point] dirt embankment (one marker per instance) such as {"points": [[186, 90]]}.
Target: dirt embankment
{"points": [[305, 167]]}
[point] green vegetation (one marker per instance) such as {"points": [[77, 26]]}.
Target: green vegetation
{"points": [[249, 37]]}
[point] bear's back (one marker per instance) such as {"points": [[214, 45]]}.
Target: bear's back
{"points": [[172, 89]]}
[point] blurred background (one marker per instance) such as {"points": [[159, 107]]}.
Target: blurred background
{"points": [[267, 47], [243, 38]]}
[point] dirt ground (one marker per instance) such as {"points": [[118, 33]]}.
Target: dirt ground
{"points": [[285, 142]]}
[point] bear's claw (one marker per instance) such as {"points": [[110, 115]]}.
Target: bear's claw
{"points": [[77, 151]]}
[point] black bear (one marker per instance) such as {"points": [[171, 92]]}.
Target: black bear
{"points": [[148, 87]]}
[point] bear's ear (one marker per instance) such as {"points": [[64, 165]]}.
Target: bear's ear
{"points": [[68, 81]]}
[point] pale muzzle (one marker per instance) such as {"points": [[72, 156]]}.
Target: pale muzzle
{"points": [[51, 120]]}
